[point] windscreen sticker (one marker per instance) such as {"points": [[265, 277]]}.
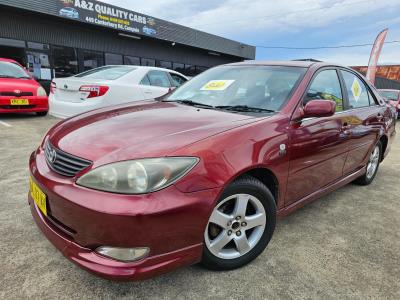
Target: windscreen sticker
{"points": [[217, 85], [356, 89]]}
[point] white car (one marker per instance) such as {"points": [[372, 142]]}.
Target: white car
{"points": [[109, 85]]}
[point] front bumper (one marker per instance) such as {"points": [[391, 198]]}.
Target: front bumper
{"points": [[169, 222], [36, 104]]}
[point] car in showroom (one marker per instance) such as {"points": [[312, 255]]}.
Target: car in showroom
{"points": [[393, 98], [109, 85], [201, 175], [19, 91]]}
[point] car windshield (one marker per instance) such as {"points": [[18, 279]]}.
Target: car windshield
{"points": [[390, 95], [106, 73], [266, 88], [12, 70]]}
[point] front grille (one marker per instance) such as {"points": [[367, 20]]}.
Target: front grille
{"points": [[63, 163], [17, 106], [13, 94]]}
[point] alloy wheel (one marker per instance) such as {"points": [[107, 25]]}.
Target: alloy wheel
{"points": [[373, 162], [235, 226]]}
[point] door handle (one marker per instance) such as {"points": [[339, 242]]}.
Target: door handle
{"points": [[379, 117]]}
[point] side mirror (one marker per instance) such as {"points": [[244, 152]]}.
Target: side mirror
{"points": [[319, 108]]}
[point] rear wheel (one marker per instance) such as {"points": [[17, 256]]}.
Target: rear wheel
{"points": [[41, 113], [240, 226], [372, 166]]}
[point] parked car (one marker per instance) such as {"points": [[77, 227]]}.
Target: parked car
{"points": [[109, 85], [69, 12], [393, 98], [140, 189], [19, 91]]}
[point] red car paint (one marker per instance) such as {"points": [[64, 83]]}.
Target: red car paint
{"points": [[13, 88], [171, 222]]}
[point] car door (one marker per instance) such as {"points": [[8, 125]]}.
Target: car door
{"points": [[365, 119], [156, 83], [317, 146]]}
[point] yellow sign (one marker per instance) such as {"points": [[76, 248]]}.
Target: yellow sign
{"points": [[356, 89], [217, 85]]}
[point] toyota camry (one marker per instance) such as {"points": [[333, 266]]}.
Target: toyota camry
{"points": [[201, 175]]}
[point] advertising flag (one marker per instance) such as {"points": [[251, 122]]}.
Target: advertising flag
{"points": [[375, 53]]}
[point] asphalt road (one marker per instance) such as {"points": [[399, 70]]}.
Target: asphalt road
{"points": [[345, 245]]}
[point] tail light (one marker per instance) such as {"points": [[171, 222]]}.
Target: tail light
{"points": [[53, 87], [93, 91]]}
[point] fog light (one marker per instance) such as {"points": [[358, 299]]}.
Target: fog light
{"points": [[123, 254]]}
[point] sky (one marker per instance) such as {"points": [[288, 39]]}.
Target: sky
{"points": [[289, 23]]}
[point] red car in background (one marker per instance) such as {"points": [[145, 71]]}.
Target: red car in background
{"points": [[136, 190], [393, 98], [19, 91]]}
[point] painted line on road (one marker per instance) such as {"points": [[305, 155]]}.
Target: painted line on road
{"points": [[5, 124]]}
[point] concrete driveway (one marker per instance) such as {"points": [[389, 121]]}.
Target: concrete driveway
{"points": [[345, 245]]}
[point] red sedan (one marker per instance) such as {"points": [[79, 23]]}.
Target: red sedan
{"points": [[19, 92], [201, 175]]}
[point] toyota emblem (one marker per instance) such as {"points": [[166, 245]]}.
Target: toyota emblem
{"points": [[17, 92], [52, 155]]}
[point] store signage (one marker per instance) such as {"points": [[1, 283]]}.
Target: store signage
{"points": [[99, 13]]}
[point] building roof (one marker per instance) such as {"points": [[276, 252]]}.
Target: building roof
{"points": [[132, 23]]}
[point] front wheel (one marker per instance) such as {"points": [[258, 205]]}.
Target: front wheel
{"points": [[372, 166], [240, 226]]}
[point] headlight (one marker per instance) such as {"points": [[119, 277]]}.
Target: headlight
{"points": [[41, 92], [138, 176]]}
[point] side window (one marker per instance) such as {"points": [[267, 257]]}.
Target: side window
{"points": [[326, 86], [145, 81], [356, 90], [159, 78], [178, 80]]}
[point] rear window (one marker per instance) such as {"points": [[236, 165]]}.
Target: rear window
{"points": [[106, 73]]}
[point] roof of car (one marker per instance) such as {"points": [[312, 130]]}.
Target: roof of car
{"points": [[144, 67], [288, 63]]}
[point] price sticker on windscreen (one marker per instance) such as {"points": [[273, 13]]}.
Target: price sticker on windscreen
{"points": [[217, 85]]}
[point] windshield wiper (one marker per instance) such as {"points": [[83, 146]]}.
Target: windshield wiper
{"points": [[244, 108], [191, 103], [6, 76]]}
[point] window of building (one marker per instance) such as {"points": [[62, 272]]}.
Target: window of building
{"points": [[148, 62], [356, 90], [65, 61], [92, 59], [113, 59], [159, 78], [326, 86], [190, 70], [164, 64], [178, 67], [38, 46], [132, 60]]}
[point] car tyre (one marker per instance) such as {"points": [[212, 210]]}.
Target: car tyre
{"points": [[41, 113], [236, 253], [372, 166]]}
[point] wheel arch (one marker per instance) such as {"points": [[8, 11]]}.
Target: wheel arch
{"points": [[266, 177], [384, 141]]}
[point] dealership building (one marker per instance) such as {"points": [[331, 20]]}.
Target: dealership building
{"points": [[59, 38]]}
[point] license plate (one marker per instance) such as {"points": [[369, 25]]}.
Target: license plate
{"points": [[38, 196], [19, 102]]}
